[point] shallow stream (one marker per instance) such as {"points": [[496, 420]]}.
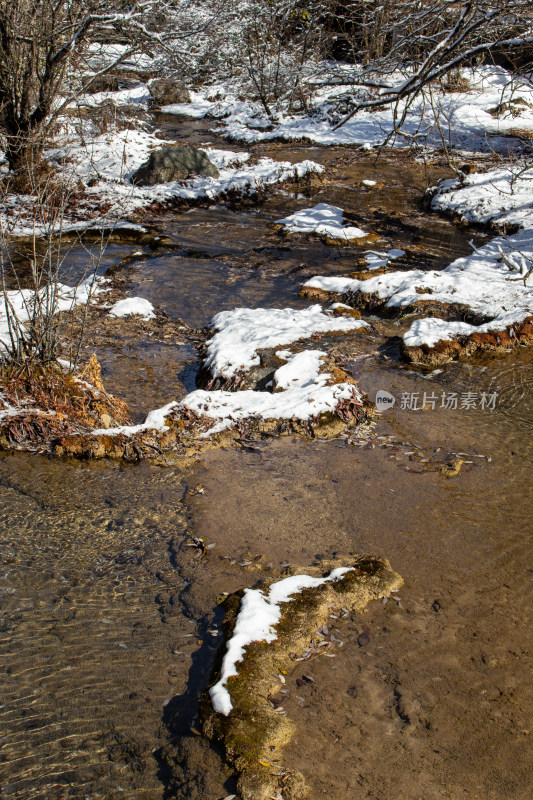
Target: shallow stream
{"points": [[110, 624]]}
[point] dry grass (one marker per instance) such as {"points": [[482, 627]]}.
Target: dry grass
{"points": [[43, 403]]}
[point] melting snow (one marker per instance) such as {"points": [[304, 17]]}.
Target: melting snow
{"points": [[323, 219], [375, 259], [304, 394], [242, 332], [481, 281], [258, 616], [131, 306]]}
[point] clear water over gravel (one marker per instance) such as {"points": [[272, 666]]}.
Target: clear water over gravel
{"points": [[109, 622]]}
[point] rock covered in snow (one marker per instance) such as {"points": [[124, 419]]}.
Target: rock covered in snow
{"points": [[324, 220]]}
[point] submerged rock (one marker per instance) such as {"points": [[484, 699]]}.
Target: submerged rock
{"points": [[174, 163]]}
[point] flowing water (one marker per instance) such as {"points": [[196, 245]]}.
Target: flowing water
{"points": [[110, 624]]}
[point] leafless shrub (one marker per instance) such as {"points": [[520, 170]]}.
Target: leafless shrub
{"points": [[32, 289], [45, 45], [281, 48], [429, 42]]}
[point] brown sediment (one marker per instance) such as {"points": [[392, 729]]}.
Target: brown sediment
{"points": [[181, 441], [359, 241], [255, 732], [365, 274], [346, 311], [322, 295], [521, 333], [336, 373]]}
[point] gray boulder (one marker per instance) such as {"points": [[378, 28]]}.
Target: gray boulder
{"points": [[174, 163], [166, 92]]}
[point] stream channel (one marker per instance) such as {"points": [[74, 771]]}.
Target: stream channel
{"points": [[110, 623]]}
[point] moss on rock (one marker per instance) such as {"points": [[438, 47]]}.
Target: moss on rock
{"points": [[253, 734]]}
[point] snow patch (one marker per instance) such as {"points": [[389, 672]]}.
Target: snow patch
{"points": [[132, 306], [431, 330], [300, 371], [375, 259], [155, 421], [242, 332], [256, 621], [323, 219]]}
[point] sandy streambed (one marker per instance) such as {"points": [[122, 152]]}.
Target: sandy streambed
{"points": [[111, 621], [435, 704]]}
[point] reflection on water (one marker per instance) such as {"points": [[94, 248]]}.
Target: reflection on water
{"points": [[195, 290], [75, 262]]}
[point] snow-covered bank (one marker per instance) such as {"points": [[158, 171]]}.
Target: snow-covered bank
{"points": [[135, 96], [104, 165], [502, 197], [480, 119], [21, 304], [301, 389], [303, 393], [485, 282]]}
